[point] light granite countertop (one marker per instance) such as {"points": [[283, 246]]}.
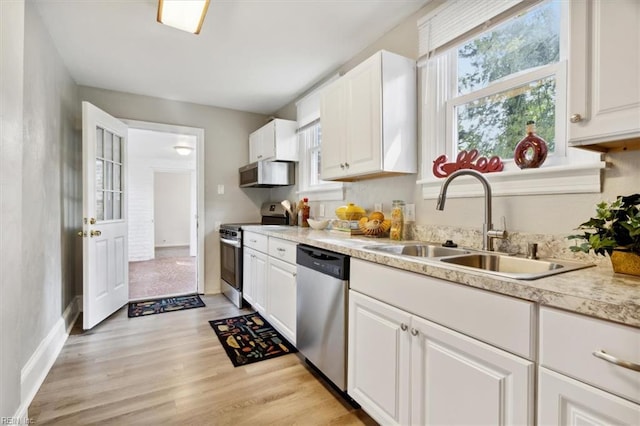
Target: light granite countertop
{"points": [[594, 291]]}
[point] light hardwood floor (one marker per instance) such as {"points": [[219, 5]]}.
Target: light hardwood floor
{"points": [[171, 369]]}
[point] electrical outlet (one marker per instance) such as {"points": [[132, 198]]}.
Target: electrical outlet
{"points": [[216, 225], [220, 189], [410, 212], [321, 210], [377, 207]]}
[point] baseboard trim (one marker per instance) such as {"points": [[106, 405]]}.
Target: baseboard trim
{"points": [[37, 367]]}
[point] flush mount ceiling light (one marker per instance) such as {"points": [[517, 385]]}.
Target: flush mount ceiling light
{"points": [[185, 15], [183, 150]]}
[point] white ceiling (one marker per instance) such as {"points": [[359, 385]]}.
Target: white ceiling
{"points": [[157, 148], [251, 55]]}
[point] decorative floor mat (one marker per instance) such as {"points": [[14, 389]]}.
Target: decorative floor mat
{"points": [[167, 304], [250, 338]]}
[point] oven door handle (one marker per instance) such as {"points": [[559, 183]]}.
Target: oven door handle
{"points": [[236, 244]]}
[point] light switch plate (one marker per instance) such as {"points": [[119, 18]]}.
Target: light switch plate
{"points": [[321, 210], [220, 189], [377, 207]]}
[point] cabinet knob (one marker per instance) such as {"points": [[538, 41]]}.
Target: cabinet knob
{"points": [[404, 326], [414, 332], [575, 118], [346, 165], [342, 166]]}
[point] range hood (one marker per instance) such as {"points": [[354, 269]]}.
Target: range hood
{"points": [[267, 174]]}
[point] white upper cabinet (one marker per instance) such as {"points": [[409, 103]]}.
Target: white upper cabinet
{"points": [[369, 120], [604, 74], [275, 141]]}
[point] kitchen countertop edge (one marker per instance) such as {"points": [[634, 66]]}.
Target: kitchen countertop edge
{"points": [[594, 291]]}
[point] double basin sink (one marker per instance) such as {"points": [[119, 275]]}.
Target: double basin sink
{"points": [[493, 263]]}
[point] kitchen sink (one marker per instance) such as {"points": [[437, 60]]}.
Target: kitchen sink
{"points": [[513, 267], [418, 250]]}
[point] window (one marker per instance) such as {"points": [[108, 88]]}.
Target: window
{"points": [[310, 139], [505, 77], [485, 78]]}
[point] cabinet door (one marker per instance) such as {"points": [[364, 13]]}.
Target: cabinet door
{"points": [[604, 88], [332, 116], [268, 141], [248, 275], [281, 297], [260, 282], [567, 402], [255, 146], [378, 359], [364, 118], [457, 380]]}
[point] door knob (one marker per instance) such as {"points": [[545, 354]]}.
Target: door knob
{"points": [[95, 233], [82, 234], [575, 118]]}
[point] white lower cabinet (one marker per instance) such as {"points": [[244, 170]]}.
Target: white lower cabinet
{"points": [[404, 369], [568, 402], [269, 282], [589, 371], [255, 278], [281, 297], [281, 287]]}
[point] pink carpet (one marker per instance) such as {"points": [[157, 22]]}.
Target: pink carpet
{"points": [[172, 272]]}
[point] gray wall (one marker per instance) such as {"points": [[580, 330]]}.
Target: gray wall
{"points": [[11, 98], [544, 214], [41, 172], [226, 149]]}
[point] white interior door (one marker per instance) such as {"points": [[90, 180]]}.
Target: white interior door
{"points": [[104, 248]]}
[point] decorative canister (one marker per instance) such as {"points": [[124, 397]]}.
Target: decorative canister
{"points": [[531, 151], [397, 220]]}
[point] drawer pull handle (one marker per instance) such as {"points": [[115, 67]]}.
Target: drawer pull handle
{"points": [[612, 359], [280, 249], [404, 326], [414, 332]]}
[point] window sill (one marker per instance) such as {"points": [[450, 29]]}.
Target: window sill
{"points": [[566, 179], [324, 194]]}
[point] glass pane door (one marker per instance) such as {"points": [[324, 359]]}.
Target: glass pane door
{"points": [[109, 182]]}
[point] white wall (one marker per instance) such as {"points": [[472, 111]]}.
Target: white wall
{"points": [[148, 152], [41, 203], [11, 104], [172, 208]]}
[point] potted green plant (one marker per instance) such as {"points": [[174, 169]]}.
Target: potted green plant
{"points": [[615, 230]]}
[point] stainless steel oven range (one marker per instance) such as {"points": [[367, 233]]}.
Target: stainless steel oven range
{"points": [[231, 250]]}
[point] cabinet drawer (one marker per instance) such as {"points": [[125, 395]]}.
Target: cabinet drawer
{"points": [[568, 342], [503, 321], [283, 250], [255, 241]]}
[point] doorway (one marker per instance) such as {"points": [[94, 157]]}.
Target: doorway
{"points": [[165, 205]]}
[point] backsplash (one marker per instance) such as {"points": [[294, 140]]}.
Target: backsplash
{"points": [[549, 246]]}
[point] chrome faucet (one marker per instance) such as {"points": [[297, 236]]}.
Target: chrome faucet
{"points": [[488, 233]]}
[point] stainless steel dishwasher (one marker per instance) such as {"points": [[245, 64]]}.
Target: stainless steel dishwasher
{"points": [[321, 327]]}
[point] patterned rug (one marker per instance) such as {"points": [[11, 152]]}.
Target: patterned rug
{"points": [[250, 338], [168, 304]]}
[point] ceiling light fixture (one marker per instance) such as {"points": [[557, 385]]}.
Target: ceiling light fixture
{"points": [[185, 15], [183, 150]]}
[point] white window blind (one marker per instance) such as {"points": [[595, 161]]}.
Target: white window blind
{"points": [[458, 18]]}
